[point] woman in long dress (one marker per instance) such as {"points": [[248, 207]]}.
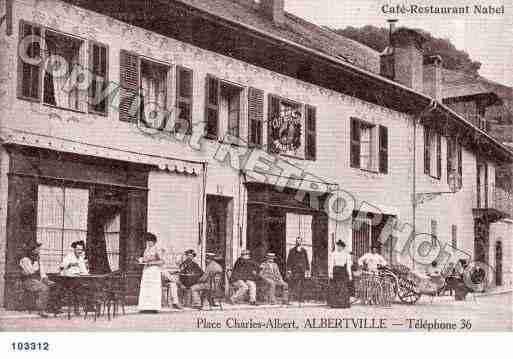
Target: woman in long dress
{"points": [[150, 293], [340, 276]]}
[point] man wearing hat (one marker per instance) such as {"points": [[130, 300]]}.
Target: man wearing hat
{"points": [[298, 266], [75, 263], [34, 277], [244, 277], [190, 271], [211, 269], [270, 274], [372, 260]]}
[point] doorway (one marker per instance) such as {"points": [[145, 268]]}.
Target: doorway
{"points": [[219, 228], [498, 263]]}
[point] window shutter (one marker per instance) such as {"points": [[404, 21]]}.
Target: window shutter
{"points": [[129, 98], [438, 156], [184, 92], [485, 165], [29, 75], [255, 116], [311, 133], [460, 164], [383, 149], [212, 95], [450, 157], [355, 143], [99, 65], [427, 155], [273, 112], [478, 183]]}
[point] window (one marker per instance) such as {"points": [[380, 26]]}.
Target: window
{"points": [[482, 184], [432, 153], [454, 159], [153, 92], [369, 146], [184, 87], [98, 65], [255, 116], [111, 232], [454, 236], [55, 92], [143, 90], [61, 220], [223, 108]]}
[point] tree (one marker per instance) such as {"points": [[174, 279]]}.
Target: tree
{"points": [[377, 39]]}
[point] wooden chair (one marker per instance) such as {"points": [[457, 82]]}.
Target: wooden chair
{"points": [[215, 293], [116, 293]]}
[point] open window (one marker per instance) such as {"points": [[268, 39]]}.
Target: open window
{"points": [[55, 88], [432, 153], [153, 92], [369, 146]]}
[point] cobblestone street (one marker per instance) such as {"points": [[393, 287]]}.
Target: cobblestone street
{"points": [[486, 313]]}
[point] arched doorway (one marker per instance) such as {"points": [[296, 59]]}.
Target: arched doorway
{"points": [[498, 263]]}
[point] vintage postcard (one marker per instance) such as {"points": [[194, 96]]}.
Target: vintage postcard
{"points": [[255, 165]]}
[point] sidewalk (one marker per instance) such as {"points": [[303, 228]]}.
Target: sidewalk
{"points": [[132, 309]]}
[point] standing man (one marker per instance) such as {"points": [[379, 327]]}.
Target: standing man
{"points": [[34, 278], [372, 260], [298, 267], [212, 269], [270, 274], [244, 277]]}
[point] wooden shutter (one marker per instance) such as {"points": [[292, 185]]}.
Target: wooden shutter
{"points": [[355, 143], [212, 96], [450, 157], [311, 133], [427, 154], [485, 165], [438, 156], [255, 116], [460, 164], [383, 149], [98, 65], [129, 98], [184, 94], [478, 182], [272, 112], [29, 75]]}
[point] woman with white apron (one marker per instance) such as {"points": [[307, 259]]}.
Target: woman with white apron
{"points": [[150, 292]]}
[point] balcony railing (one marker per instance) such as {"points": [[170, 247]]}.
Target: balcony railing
{"points": [[503, 201]]}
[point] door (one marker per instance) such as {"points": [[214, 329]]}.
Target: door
{"points": [[218, 228], [361, 237], [498, 264]]}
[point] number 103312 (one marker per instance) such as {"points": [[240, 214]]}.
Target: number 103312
{"points": [[30, 346]]}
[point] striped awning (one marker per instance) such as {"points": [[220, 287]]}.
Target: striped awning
{"points": [[179, 166]]}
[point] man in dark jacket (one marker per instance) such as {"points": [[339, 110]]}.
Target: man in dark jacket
{"points": [[244, 277], [297, 267]]}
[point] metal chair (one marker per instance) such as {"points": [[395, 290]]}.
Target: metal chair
{"points": [[215, 291]]}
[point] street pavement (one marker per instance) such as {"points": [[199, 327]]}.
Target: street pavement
{"points": [[485, 313]]}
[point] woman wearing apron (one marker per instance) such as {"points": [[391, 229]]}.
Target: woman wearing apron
{"points": [[340, 276], [150, 293]]}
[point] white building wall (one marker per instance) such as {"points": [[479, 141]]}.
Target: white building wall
{"points": [[334, 110]]}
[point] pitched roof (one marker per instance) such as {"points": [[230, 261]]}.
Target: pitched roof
{"points": [[294, 29]]}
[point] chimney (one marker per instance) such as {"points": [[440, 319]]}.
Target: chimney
{"points": [[433, 77], [274, 10], [402, 61]]}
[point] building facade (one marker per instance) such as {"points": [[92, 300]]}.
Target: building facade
{"points": [[220, 134]]}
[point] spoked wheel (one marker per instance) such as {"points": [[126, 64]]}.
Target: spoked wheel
{"points": [[406, 291]]}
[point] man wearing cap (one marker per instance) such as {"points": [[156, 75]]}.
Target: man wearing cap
{"points": [[372, 260], [212, 269], [34, 277], [244, 277], [298, 267], [270, 274], [190, 271], [75, 263]]}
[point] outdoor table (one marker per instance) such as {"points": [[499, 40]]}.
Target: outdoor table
{"points": [[83, 290]]}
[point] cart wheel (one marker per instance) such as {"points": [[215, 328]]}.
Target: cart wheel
{"points": [[406, 291]]}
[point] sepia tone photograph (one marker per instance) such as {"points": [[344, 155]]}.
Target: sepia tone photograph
{"points": [[255, 166]]}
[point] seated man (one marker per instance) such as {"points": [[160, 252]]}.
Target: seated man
{"points": [[203, 283], [75, 263], [270, 274], [244, 277], [190, 271], [372, 260], [34, 278]]}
